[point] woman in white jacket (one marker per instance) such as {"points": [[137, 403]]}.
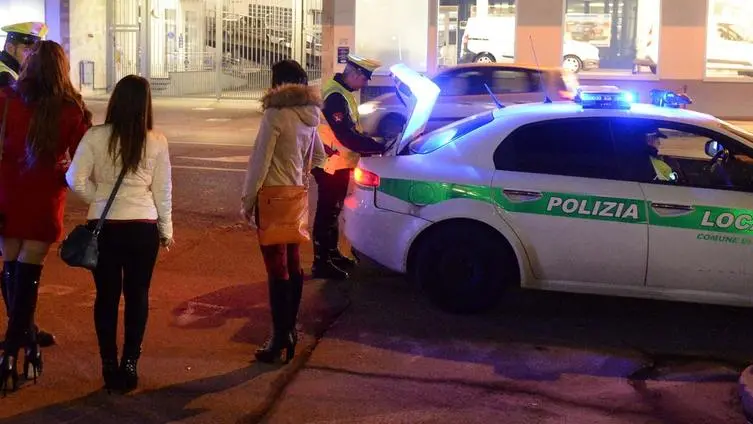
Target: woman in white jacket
{"points": [[284, 144], [139, 220]]}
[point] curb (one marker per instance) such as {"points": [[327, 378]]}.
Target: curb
{"points": [[746, 392]]}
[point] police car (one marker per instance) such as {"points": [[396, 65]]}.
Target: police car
{"points": [[561, 196]]}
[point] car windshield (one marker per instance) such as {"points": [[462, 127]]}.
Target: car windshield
{"points": [[446, 135], [740, 132]]}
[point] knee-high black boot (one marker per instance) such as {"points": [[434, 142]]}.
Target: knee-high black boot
{"points": [[6, 283], [27, 277], [294, 302], [281, 338]]}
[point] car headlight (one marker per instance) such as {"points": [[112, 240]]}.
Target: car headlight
{"points": [[367, 108]]}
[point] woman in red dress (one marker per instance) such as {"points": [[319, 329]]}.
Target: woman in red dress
{"points": [[45, 122]]}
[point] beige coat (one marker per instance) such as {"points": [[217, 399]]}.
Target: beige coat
{"points": [[283, 145]]}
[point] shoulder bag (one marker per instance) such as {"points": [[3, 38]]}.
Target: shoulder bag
{"points": [[80, 248], [283, 212]]}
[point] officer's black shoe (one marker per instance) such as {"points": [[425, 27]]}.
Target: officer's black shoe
{"points": [[45, 339], [341, 261], [327, 270]]}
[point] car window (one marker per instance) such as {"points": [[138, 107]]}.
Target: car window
{"points": [[679, 150], [450, 133], [461, 83], [507, 81], [578, 147]]}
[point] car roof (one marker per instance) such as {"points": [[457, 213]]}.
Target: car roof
{"points": [[521, 66], [517, 115]]}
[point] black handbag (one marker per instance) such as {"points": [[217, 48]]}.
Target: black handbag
{"points": [[80, 248]]}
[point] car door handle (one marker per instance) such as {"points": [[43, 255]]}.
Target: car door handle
{"points": [[521, 195], [671, 208]]}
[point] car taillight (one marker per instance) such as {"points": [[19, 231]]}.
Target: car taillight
{"points": [[365, 178]]}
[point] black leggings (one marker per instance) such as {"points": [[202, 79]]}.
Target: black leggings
{"points": [[127, 254]]}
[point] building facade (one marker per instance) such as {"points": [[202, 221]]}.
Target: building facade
{"points": [[703, 47]]}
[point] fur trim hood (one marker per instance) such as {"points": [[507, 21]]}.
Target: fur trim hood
{"points": [[304, 100]]}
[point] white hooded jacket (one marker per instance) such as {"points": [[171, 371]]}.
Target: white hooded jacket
{"points": [[287, 133]]}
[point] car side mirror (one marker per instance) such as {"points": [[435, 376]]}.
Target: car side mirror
{"points": [[713, 148]]}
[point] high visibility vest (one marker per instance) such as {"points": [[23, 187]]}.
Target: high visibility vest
{"points": [[663, 171], [5, 68], [343, 158]]}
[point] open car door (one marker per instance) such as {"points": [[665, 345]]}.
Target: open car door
{"points": [[419, 94]]}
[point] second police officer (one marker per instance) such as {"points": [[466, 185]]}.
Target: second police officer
{"points": [[344, 142]]}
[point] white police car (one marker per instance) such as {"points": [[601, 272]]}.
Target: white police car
{"points": [[561, 196]]}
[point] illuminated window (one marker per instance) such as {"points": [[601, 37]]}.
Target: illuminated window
{"points": [[612, 37], [729, 39], [380, 35], [468, 34]]}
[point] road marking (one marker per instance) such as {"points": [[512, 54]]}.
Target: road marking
{"points": [[207, 168], [226, 159]]}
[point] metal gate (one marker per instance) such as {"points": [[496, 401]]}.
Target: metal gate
{"points": [[185, 50]]}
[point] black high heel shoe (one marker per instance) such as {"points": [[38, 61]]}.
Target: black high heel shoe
{"points": [[33, 363], [274, 348], [8, 371]]}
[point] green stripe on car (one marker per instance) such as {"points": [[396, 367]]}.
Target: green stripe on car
{"points": [[632, 211]]}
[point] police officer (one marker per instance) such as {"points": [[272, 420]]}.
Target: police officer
{"points": [[663, 171], [344, 142], [20, 37]]}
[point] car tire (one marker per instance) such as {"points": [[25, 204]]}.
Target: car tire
{"points": [[465, 267], [484, 58], [391, 126], [572, 63]]}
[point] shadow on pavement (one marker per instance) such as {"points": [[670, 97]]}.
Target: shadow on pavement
{"points": [[167, 404], [537, 335]]}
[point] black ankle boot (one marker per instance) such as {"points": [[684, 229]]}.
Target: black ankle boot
{"points": [[33, 362], [341, 261], [326, 269], [281, 339], [111, 374], [129, 373]]}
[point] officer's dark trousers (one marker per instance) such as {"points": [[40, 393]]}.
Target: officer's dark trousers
{"points": [[332, 189]]}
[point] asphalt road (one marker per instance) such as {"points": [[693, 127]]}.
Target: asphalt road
{"points": [[376, 351]]}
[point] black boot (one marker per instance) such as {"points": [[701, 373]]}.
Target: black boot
{"points": [[27, 286], [111, 374], [341, 261], [281, 338], [323, 266], [294, 302], [129, 373], [6, 285]]}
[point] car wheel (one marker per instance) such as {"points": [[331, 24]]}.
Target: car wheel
{"points": [[572, 63], [484, 58], [465, 267], [391, 126]]}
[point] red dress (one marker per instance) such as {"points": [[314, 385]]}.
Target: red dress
{"points": [[32, 198]]}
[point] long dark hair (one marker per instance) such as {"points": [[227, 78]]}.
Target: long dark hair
{"points": [[45, 83], [288, 71], [129, 113]]}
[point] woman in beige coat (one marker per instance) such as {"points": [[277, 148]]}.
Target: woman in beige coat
{"points": [[284, 144]]}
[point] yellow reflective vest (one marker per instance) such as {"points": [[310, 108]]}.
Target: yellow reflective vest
{"points": [[663, 171], [7, 69], [343, 158]]}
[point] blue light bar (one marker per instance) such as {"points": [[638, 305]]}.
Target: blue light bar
{"points": [[668, 98], [425, 93], [606, 97]]}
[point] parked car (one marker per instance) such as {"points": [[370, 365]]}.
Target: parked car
{"points": [[464, 93], [492, 39]]}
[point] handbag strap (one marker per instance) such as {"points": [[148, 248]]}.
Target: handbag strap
{"points": [[111, 199], [310, 162]]}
